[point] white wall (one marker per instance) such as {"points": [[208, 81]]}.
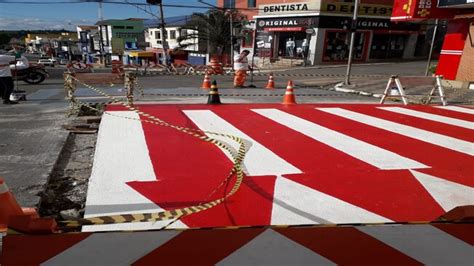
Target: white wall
{"points": [[172, 43]]}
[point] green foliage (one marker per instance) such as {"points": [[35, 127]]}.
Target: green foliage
{"points": [[212, 27], [432, 68]]}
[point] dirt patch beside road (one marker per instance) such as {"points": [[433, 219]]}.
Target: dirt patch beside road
{"points": [[67, 188]]}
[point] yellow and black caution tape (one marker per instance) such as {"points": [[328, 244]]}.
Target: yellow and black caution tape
{"points": [[297, 75], [236, 170]]}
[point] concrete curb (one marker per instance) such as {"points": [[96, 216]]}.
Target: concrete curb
{"points": [[339, 87]]}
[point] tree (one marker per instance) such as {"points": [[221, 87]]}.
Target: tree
{"points": [[212, 27]]}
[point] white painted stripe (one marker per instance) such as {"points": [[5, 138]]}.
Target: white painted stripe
{"points": [[272, 248], [424, 243], [258, 161], [432, 117], [457, 109], [411, 132], [364, 151], [111, 248], [294, 203], [452, 52], [448, 194], [121, 156]]}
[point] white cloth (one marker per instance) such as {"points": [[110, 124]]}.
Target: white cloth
{"points": [[290, 44], [4, 65], [241, 64], [21, 63]]}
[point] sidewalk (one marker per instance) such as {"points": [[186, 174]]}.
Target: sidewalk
{"points": [[374, 87], [31, 140]]}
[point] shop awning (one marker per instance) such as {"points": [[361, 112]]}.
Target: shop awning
{"points": [[142, 54]]}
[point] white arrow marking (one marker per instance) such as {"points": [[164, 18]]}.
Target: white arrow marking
{"points": [[432, 117], [272, 248], [258, 161], [121, 156], [294, 203], [448, 194], [111, 248], [424, 243], [411, 132]]}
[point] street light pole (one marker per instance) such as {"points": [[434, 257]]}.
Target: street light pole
{"points": [[432, 47], [231, 40], [351, 48], [163, 28], [163, 34]]}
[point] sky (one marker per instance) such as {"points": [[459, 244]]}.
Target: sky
{"points": [[67, 16]]}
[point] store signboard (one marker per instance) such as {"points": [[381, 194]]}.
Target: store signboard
{"points": [[285, 29], [285, 22], [263, 43], [118, 45], [335, 22], [455, 3], [381, 9], [405, 10], [289, 8]]}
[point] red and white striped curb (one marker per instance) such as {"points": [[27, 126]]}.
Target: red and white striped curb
{"points": [[439, 244]]}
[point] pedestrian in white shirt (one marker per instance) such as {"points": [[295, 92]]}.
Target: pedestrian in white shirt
{"points": [[241, 65], [6, 80]]}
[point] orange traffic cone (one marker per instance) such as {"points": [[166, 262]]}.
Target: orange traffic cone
{"points": [[289, 97], [21, 219], [206, 83], [271, 82], [8, 205]]}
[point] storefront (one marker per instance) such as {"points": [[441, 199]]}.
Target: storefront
{"points": [[456, 59], [283, 37], [325, 39]]}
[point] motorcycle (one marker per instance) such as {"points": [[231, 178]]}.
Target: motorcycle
{"points": [[34, 74]]}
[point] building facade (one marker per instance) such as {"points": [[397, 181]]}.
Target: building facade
{"points": [[188, 49], [122, 40], [62, 44], [89, 42], [456, 61], [319, 30]]}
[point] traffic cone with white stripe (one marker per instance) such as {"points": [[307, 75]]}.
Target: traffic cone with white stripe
{"points": [[21, 219], [271, 82], [289, 97], [206, 83], [213, 97]]}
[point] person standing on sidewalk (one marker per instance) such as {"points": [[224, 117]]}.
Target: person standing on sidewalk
{"points": [[6, 80], [241, 65]]}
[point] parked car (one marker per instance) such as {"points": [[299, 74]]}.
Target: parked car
{"points": [[47, 62]]}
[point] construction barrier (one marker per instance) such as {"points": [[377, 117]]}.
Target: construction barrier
{"points": [[395, 89], [410, 244], [70, 84]]}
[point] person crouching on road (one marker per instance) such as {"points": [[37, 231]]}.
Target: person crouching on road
{"points": [[241, 65], [6, 80]]}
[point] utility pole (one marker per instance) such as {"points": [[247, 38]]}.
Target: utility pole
{"points": [[163, 28], [351, 47], [435, 30], [231, 40], [101, 15]]}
